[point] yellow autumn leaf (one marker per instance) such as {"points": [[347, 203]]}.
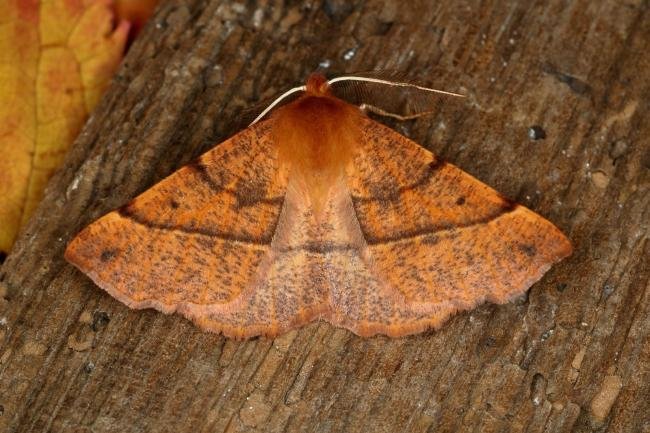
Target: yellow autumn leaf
{"points": [[56, 59]]}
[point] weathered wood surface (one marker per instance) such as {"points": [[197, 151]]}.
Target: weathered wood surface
{"points": [[571, 356]]}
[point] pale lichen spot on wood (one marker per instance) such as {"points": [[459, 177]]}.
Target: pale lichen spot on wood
{"points": [[255, 411], [577, 360], [575, 365], [283, 342], [600, 179], [34, 348], [80, 344], [603, 401], [86, 318]]}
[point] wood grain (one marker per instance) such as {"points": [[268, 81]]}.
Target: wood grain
{"points": [[572, 356]]}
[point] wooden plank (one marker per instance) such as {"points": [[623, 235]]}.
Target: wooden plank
{"points": [[571, 356]]}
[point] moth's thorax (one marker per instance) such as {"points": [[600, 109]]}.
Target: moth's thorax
{"points": [[316, 136]]}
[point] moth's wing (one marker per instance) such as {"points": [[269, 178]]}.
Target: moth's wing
{"points": [[436, 239], [201, 242]]}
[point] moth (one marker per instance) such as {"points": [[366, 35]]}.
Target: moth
{"points": [[314, 212]]}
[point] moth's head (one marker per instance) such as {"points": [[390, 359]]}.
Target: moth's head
{"points": [[317, 85]]}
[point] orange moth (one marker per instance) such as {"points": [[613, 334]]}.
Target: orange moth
{"points": [[317, 212]]}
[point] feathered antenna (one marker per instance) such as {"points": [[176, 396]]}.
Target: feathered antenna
{"points": [[391, 83], [277, 101]]}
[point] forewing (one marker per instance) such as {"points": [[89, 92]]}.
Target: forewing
{"points": [[200, 242], [436, 238]]}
